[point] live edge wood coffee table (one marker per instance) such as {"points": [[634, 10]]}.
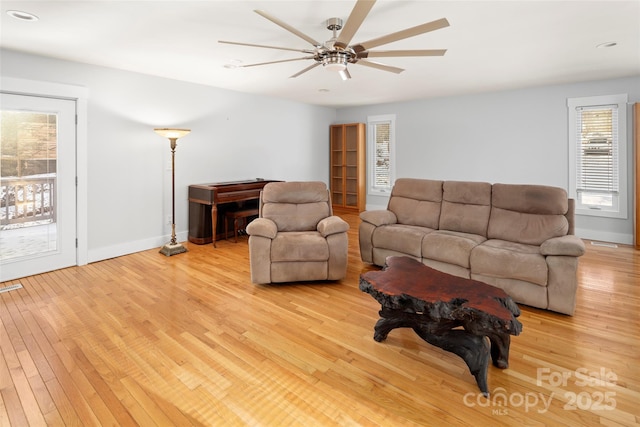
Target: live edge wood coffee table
{"points": [[453, 313]]}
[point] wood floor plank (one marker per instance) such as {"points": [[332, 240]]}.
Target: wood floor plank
{"points": [[147, 339], [13, 408]]}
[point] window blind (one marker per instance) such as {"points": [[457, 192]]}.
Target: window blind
{"points": [[597, 149], [382, 155]]}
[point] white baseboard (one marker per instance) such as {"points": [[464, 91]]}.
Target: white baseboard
{"points": [[604, 236], [127, 248]]}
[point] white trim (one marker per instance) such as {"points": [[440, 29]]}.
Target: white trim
{"points": [[40, 88], [132, 247], [604, 236], [80, 94], [621, 101], [371, 120]]}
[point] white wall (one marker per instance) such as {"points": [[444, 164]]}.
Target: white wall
{"points": [[518, 136], [234, 136]]}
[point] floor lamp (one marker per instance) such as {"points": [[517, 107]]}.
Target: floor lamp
{"points": [[173, 247]]}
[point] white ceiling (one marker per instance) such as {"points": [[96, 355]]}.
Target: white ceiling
{"points": [[492, 45]]}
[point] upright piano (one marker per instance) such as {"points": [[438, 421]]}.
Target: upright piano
{"points": [[209, 202]]}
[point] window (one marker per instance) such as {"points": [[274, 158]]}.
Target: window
{"points": [[597, 155], [381, 149]]}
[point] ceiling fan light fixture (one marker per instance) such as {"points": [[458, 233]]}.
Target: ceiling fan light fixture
{"points": [[335, 66], [335, 62]]}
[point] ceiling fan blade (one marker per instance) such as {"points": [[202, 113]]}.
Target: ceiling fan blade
{"points": [[287, 27], [275, 62], [380, 66], [400, 53], [305, 70], [404, 34], [355, 19], [265, 46]]}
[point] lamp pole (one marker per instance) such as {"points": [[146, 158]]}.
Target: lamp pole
{"points": [[173, 191], [173, 247]]}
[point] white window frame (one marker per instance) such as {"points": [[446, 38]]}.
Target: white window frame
{"points": [[619, 208], [372, 121]]}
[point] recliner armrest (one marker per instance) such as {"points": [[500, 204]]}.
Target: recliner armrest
{"points": [[379, 217], [332, 225], [262, 227], [568, 245]]}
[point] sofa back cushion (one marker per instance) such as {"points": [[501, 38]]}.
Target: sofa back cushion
{"points": [[527, 214], [416, 201], [466, 207], [295, 206]]}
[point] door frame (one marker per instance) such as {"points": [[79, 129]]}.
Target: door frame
{"points": [[80, 95], [636, 139]]}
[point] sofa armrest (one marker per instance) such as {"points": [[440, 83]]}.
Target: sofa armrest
{"points": [[379, 217], [262, 227], [568, 245], [332, 225]]}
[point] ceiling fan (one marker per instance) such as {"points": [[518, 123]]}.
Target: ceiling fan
{"points": [[336, 53]]}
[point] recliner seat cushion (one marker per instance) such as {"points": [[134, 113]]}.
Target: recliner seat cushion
{"points": [[509, 260], [299, 246]]}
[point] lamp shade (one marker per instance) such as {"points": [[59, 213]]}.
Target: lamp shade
{"points": [[172, 133]]}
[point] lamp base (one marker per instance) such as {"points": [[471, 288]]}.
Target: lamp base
{"points": [[170, 249]]}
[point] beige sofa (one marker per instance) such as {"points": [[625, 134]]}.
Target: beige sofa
{"points": [[516, 237], [297, 237]]}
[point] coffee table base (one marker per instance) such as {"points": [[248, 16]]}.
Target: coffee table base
{"points": [[465, 317], [473, 349]]}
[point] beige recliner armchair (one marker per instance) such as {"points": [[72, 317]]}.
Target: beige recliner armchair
{"points": [[297, 237]]}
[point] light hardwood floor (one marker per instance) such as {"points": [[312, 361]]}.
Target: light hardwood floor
{"points": [[188, 340]]}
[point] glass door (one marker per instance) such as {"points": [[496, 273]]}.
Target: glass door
{"points": [[37, 185]]}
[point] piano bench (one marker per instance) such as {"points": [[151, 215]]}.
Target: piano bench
{"points": [[235, 216]]}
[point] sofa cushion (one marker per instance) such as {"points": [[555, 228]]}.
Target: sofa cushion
{"points": [[509, 260], [416, 202], [401, 238], [466, 207], [534, 199], [299, 246], [528, 214], [521, 291], [525, 228], [450, 246]]}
